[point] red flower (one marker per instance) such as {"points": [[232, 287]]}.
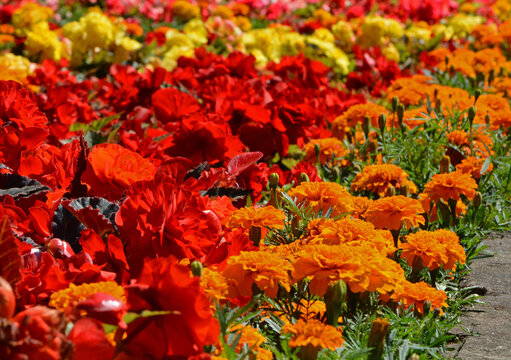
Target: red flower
{"points": [[166, 285], [161, 219], [112, 169], [88, 337], [23, 126]]}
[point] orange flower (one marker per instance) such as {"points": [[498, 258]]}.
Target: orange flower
{"points": [[436, 248], [359, 267], [378, 178], [450, 186], [329, 147], [112, 169], [314, 333], [356, 114], [410, 294], [264, 269], [390, 212], [472, 166], [323, 196], [353, 232], [409, 90], [214, 285], [249, 217]]}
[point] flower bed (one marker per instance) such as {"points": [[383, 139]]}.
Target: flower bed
{"points": [[247, 179]]}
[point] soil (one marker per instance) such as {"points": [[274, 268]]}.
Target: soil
{"points": [[488, 324]]}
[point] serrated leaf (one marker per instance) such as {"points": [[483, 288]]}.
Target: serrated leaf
{"points": [[18, 186]]}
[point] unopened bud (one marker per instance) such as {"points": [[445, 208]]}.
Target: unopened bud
{"points": [[444, 210], [382, 122], [414, 357], [487, 119], [371, 147], [317, 150], [274, 180], [471, 114], [478, 199], [400, 113], [196, 268], [477, 93], [334, 299], [377, 338], [365, 125], [426, 307], [391, 191], [395, 103], [404, 190], [444, 164]]}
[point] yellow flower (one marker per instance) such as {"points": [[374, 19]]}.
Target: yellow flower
{"points": [[76, 293], [42, 43], [99, 30], [29, 14], [184, 10]]}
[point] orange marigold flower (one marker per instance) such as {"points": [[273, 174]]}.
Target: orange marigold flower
{"points": [[352, 232], [328, 148], [378, 178], [473, 166], [214, 284], [314, 333], [264, 269], [435, 248], [356, 114], [409, 90], [323, 196], [390, 212], [112, 169], [416, 294], [360, 267], [249, 217], [450, 186], [361, 204], [76, 293]]}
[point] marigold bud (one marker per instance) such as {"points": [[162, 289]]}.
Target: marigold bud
{"points": [[444, 164], [377, 338], [334, 299], [400, 111], [471, 114], [395, 103], [196, 267], [382, 122], [477, 93], [274, 180], [478, 199]]}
